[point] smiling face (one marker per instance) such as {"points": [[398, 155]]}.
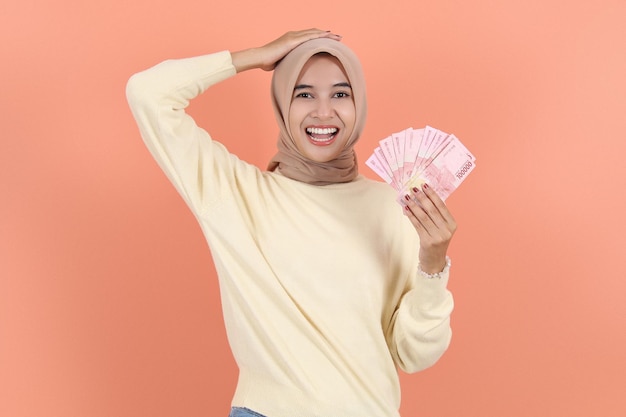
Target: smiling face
{"points": [[322, 112]]}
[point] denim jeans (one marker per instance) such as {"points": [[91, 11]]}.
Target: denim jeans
{"points": [[243, 412]]}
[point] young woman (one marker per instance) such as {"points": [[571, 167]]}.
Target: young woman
{"points": [[328, 285]]}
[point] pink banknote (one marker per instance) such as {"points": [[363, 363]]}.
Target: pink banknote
{"points": [[413, 157]]}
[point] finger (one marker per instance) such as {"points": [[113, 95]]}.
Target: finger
{"points": [[291, 40], [428, 207], [418, 215], [439, 230], [442, 207], [432, 238], [313, 33], [417, 225], [444, 222], [332, 35], [435, 206]]}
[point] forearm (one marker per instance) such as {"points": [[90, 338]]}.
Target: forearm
{"points": [[248, 59]]}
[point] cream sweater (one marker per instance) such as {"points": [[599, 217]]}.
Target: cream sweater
{"points": [[319, 288]]}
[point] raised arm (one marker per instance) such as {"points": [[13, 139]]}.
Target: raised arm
{"points": [[200, 169]]}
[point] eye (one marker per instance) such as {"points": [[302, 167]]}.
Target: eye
{"points": [[303, 95], [342, 94]]}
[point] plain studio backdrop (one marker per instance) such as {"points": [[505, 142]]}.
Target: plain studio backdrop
{"points": [[109, 303]]}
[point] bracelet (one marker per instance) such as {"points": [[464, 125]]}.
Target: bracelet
{"points": [[436, 275]]}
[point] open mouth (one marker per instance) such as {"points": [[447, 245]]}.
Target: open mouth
{"points": [[321, 135]]}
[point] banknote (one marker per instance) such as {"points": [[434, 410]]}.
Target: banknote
{"points": [[412, 157]]}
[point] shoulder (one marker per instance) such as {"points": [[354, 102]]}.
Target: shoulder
{"points": [[373, 186], [378, 192], [386, 215]]}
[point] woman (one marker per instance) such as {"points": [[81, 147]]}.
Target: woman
{"points": [[327, 284]]}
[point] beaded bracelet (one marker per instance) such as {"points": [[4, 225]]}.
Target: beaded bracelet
{"points": [[437, 275]]}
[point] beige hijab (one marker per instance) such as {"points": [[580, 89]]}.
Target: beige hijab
{"points": [[289, 161]]}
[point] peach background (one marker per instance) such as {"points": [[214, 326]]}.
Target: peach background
{"points": [[108, 299]]}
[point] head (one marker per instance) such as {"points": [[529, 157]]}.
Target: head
{"points": [[318, 92], [322, 114]]}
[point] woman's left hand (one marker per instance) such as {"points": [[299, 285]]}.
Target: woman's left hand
{"points": [[434, 224]]}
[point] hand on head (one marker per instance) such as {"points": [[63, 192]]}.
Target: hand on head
{"points": [[267, 56]]}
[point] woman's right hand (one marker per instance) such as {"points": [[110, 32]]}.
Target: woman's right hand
{"points": [[267, 56]]}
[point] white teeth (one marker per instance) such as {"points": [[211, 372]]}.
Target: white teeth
{"points": [[321, 131]]}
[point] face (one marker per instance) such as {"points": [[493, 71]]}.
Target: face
{"points": [[322, 113]]}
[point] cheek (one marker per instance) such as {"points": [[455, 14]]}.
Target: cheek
{"points": [[295, 119], [348, 116], [295, 131], [293, 128]]}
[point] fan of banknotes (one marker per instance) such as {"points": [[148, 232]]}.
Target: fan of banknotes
{"points": [[412, 157]]}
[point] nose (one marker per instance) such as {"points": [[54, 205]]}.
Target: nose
{"points": [[324, 109]]}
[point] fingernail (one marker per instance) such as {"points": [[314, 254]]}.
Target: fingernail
{"points": [[415, 190], [407, 197], [425, 186]]}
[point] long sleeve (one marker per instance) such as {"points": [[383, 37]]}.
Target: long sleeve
{"points": [[307, 273], [420, 328], [158, 96]]}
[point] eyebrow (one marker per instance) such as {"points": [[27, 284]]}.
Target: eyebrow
{"points": [[305, 86]]}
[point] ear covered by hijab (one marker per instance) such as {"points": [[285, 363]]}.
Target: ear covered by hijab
{"points": [[289, 161]]}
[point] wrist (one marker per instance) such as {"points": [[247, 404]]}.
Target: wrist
{"points": [[432, 259], [432, 264], [245, 59], [437, 273]]}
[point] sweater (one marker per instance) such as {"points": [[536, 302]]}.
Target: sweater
{"points": [[321, 295]]}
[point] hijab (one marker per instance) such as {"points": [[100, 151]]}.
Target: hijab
{"points": [[288, 160]]}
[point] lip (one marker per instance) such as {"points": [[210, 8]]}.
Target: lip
{"points": [[321, 139]]}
